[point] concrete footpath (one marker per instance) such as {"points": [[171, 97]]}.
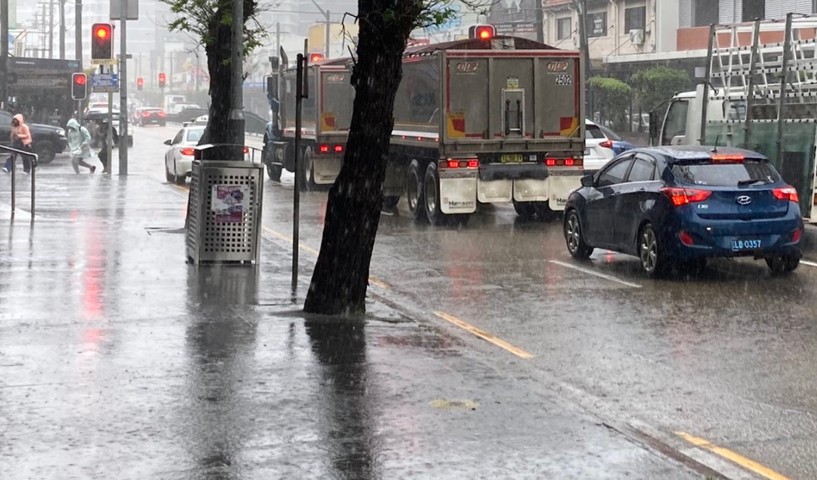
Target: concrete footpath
{"points": [[120, 360]]}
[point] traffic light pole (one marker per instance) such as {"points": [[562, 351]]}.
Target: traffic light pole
{"points": [[123, 90]]}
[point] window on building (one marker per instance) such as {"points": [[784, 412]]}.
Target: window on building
{"points": [[705, 13], [564, 28], [753, 9], [596, 24], [635, 18]]}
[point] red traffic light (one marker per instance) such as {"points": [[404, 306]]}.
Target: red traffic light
{"points": [[140, 82], [482, 32], [162, 80], [79, 86], [101, 41], [315, 57]]}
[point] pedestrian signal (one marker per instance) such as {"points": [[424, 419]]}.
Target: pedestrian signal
{"points": [[101, 41], [79, 86], [162, 80]]}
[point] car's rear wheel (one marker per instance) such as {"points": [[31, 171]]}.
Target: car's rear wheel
{"points": [[45, 151], [780, 264], [169, 176], [414, 190], [575, 238], [650, 252]]}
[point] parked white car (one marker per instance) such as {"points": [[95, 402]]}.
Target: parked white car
{"points": [[598, 149]]}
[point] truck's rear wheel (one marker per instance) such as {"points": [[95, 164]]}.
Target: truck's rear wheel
{"points": [[414, 190], [526, 210], [390, 202], [309, 170], [431, 197], [544, 212], [268, 154]]}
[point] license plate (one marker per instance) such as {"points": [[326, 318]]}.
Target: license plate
{"points": [[739, 244], [512, 158]]}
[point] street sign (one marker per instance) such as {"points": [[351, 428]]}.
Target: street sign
{"points": [[105, 82], [104, 61]]}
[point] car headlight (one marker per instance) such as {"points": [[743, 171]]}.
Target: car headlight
{"points": [[61, 132]]}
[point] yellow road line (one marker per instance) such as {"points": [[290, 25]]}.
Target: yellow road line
{"points": [[484, 335], [744, 462], [308, 249]]}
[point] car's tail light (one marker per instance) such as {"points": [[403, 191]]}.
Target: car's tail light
{"points": [[162, 114], [606, 144], [727, 158], [684, 196], [189, 152], [796, 235], [786, 193], [686, 238]]}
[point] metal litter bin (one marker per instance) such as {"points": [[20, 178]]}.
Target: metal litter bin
{"points": [[224, 212]]}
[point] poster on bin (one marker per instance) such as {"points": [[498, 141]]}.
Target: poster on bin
{"points": [[228, 202]]}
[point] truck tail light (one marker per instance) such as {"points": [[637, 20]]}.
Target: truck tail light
{"points": [[460, 163], [685, 196], [338, 148], [563, 162], [786, 193], [324, 148]]}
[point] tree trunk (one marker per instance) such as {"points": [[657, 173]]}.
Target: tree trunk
{"points": [[341, 274], [218, 65]]}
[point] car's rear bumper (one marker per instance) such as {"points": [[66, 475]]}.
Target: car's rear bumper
{"points": [[756, 238]]}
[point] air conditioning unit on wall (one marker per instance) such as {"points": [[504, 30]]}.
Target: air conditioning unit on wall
{"points": [[637, 36]]}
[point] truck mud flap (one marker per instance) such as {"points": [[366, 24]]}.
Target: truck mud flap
{"points": [[490, 172], [326, 169], [495, 191], [559, 188], [531, 190], [458, 195]]}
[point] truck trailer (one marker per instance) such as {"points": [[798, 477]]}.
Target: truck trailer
{"points": [[486, 120], [325, 118]]}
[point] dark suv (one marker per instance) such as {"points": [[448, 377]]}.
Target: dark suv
{"points": [[46, 140]]}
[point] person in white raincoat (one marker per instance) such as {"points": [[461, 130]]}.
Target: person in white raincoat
{"points": [[79, 142]]}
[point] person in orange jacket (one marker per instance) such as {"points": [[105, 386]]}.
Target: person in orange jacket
{"points": [[21, 140]]}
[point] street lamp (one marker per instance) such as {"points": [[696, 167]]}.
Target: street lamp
{"points": [[326, 38]]}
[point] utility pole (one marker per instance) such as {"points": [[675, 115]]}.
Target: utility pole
{"points": [[78, 32], [62, 29], [4, 51], [540, 22], [51, 29]]}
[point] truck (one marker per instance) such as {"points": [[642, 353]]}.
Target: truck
{"points": [[325, 119], [495, 119], [480, 120], [759, 93]]}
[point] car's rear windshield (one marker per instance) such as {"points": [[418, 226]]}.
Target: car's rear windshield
{"points": [[593, 131], [705, 172]]}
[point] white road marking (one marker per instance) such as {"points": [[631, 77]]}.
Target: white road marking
{"points": [[595, 274], [810, 264]]}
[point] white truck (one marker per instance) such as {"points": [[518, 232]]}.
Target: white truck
{"points": [[760, 93]]}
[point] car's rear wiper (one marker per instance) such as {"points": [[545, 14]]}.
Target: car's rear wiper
{"points": [[750, 181]]}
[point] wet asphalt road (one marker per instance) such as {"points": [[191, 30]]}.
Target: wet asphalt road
{"points": [[727, 356]]}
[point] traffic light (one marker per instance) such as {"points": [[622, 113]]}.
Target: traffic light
{"points": [[482, 32], [162, 80], [140, 82], [101, 41], [315, 57], [79, 86]]}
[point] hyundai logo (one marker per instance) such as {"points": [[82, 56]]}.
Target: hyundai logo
{"points": [[744, 200]]}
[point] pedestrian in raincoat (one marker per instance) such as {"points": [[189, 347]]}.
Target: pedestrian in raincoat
{"points": [[21, 140], [79, 142]]}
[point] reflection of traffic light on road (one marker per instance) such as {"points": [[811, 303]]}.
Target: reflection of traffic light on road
{"points": [[101, 41], [79, 86], [162, 80], [140, 82]]}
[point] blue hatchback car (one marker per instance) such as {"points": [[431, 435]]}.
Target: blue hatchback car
{"points": [[678, 206]]}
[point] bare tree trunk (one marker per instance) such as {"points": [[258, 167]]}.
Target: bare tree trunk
{"points": [[341, 275]]}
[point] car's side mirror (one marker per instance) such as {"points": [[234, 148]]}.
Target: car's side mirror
{"points": [[168, 142], [677, 140], [587, 181]]}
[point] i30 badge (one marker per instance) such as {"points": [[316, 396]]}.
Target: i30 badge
{"points": [[744, 200]]}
